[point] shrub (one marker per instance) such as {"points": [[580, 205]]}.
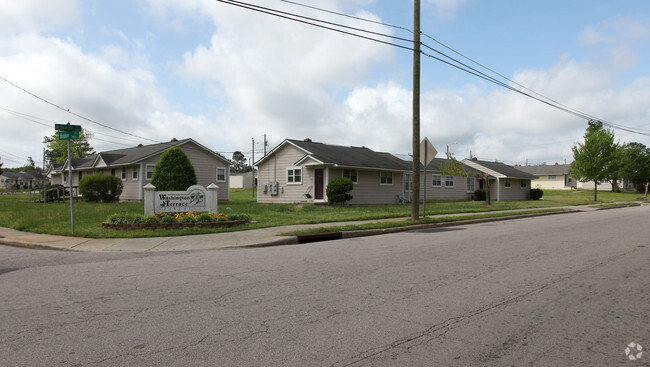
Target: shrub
{"points": [[205, 218], [187, 219], [168, 219], [100, 187], [536, 194], [174, 171], [245, 217], [124, 218], [480, 195], [338, 190], [151, 219]]}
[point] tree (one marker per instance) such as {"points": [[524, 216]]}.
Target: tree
{"points": [[30, 164], [101, 187], [239, 163], [57, 150], [0, 166], [635, 168], [338, 190], [596, 159], [174, 171]]}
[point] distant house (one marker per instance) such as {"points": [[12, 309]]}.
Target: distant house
{"points": [[20, 180], [507, 183], [551, 177], [298, 171], [241, 180], [135, 167]]}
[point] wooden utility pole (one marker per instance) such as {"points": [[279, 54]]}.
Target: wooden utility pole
{"points": [[415, 201]]}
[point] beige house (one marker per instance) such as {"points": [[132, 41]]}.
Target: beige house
{"points": [[297, 171], [551, 177], [135, 167]]}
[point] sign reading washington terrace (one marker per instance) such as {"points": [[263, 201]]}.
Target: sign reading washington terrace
{"points": [[196, 198]]}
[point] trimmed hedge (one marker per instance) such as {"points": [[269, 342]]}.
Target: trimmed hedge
{"points": [[100, 187], [536, 194], [338, 190], [480, 195]]}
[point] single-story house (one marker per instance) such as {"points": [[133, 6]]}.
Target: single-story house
{"points": [[135, 167], [242, 180], [507, 183], [551, 177], [19, 180], [297, 171]]}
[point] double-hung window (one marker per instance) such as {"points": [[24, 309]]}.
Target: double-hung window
{"points": [[134, 174], [449, 181], [508, 183], [523, 184], [149, 174], [123, 173], [352, 174], [221, 174], [436, 180], [294, 176], [471, 184], [386, 178]]}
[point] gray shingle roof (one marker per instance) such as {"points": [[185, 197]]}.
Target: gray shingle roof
{"points": [[504, 169], [353, 157], [559, 169]]}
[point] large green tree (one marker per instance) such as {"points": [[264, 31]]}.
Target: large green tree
{"points": [[636, 165], [597, 158], [56, 150], [174, 171], [239, 163]]}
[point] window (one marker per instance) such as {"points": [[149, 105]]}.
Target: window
{"points": [[436, 180], [123, 173], [449, 181], [112, 171], [134, 176], [65, 177], [294, 176], [552, 177], [408, 182], [507, 184], [523, 184], [352, 174], [221, 174], [471, 184], [386, 178], [149, 173]]}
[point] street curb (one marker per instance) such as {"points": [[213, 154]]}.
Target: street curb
{"points": [[311, 237], [35, 246]]}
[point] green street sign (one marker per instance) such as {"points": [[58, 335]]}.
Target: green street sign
{"points": [[67, 127], [68, 135]]}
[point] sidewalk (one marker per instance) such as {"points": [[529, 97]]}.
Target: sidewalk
{"points": [[250, 238]]}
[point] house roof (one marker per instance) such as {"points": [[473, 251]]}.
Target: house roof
{"points": [[556, 169], [498, 169], [18, 175], [127, 156], [344, 156]]}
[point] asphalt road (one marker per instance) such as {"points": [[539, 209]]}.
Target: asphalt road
{"points": [[562, 290]]}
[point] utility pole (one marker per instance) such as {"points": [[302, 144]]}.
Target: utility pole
{"points": [[253, 164], [265, 144], [415, 202]]}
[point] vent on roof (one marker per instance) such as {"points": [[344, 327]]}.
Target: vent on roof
{"points": [[556, 163], [474, 158], [140, 145], [307, 140], [174, 140]]}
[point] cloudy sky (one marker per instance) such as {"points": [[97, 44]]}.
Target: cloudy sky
{"points": [[153, 70]]}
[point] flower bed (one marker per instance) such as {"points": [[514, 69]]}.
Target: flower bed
{"points": [[174, 221], [173, 225]]}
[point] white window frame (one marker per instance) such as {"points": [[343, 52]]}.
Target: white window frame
{"points": [[552, 177], [436, 180], [507, 183], [222, 169], [449, 179], [471, 184], [123, 174], [65, 177], [408, 182], [291, 176], [146, 175], [352, 174], [522, 185], [134, 173], [384, 178]]}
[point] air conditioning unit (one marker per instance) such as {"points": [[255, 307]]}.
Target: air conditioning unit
{"points": [[273, 188]]}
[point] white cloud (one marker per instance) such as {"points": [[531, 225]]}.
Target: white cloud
{"points": [[446, 9], [37, 15]]}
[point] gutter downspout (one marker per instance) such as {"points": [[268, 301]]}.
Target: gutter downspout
{"points": [[498, 190]]}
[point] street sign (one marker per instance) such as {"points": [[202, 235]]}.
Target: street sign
{"points": [[427, 151], [67, 127], [68, 135]]}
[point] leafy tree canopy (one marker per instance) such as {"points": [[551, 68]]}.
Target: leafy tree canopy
{"points": [[57, 150], [595, 159], [239, 163], [174, 171], [635, 168]]}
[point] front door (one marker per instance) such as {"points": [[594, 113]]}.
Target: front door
{"points": [[318, 184]]}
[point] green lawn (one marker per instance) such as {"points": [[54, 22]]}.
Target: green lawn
{"points": [[18, 212]]}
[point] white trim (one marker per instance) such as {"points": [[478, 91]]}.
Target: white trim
{"points": [[525, 187], [473, 184], [356, 174], [124, 174], [135, 171], [439, 179], [147, 165], [507, 183], [453, 182]]}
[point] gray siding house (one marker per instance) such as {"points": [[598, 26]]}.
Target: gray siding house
{"points": [[135, 167], [298, 171], [507, 183]]}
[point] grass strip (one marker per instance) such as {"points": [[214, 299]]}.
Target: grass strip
{"points": [[411, 222]]}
